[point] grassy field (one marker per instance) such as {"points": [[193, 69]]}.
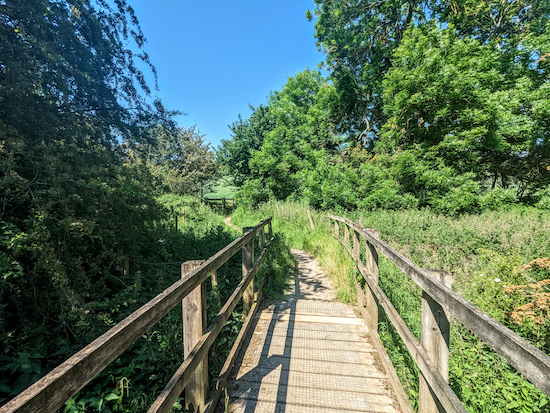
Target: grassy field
{"points": [[498, 260], [222, 189]]}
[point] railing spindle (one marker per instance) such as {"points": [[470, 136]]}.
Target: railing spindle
{"points": [[371, 264], [346, 235], [356, 246]]}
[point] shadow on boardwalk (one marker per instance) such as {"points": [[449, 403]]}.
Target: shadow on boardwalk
{"points": [[308, 353]]}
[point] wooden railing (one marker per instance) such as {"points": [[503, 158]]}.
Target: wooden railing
{"points": [[439, 303], [53, 390], [224, 202]]}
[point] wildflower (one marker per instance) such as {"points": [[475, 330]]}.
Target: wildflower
{"points": [[497, 280], [161, 240], [473, 283], [481, 275]]}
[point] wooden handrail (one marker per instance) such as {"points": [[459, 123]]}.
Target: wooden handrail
{"points": [[53, 390], [523, 356], [175, 386]]}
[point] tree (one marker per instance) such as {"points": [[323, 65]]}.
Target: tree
{"points": [[247, 137], [181, 161], [67, 82], [456, 98], [302, 134], [501, 22], [70, 94], [359, 38]]}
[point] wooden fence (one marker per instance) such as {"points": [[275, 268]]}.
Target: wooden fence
{"points": [[439, 302], [224, 202], [53, 390]]}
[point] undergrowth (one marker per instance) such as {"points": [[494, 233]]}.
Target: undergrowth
{"points": [[133, 381], [498, 260]]}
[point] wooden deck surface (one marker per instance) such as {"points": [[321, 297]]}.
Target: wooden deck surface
{"points": [[309, 353]]}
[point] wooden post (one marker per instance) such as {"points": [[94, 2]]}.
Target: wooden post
{"points": [[123, 262], [248, 261], [223, 203], [176, 218], [336, 229], [194, 323], [261, 234], [434, 338], [356, 246], [269, 231], [346, 234], [371, 263], [311, 224], [215, 288]]}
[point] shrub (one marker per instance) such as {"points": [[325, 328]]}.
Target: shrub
{"points": [[252, 193], [498, 198]]}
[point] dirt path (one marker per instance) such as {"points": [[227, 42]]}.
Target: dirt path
{"points": [[227, 221]]}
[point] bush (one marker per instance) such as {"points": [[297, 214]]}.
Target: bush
{"points": [[498, 198], [544, 199], [252, 193]]}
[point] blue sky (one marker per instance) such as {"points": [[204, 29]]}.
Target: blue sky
{"points": [[213, 57]]}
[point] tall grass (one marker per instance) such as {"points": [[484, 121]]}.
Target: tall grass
{"points": [[486, 254]]}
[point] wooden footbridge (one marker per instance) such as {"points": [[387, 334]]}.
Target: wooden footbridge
{"points": [[306, 353]]}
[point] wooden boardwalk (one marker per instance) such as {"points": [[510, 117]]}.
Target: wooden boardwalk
{"points": [[309, 353]]}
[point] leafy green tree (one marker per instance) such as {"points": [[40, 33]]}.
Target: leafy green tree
{"points": [[455, 98], [180, 161], [358, 38], [247, 137], [506, 23], [302, 134], [70, 94]]}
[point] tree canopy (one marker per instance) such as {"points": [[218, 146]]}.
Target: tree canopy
{"points": [[180, 161], [74, 108], [439, 104]]}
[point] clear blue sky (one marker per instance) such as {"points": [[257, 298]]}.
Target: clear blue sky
{"points": [[215, 57]]}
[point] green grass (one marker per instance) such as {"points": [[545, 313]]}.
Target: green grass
{"points": [[222, 189]]}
